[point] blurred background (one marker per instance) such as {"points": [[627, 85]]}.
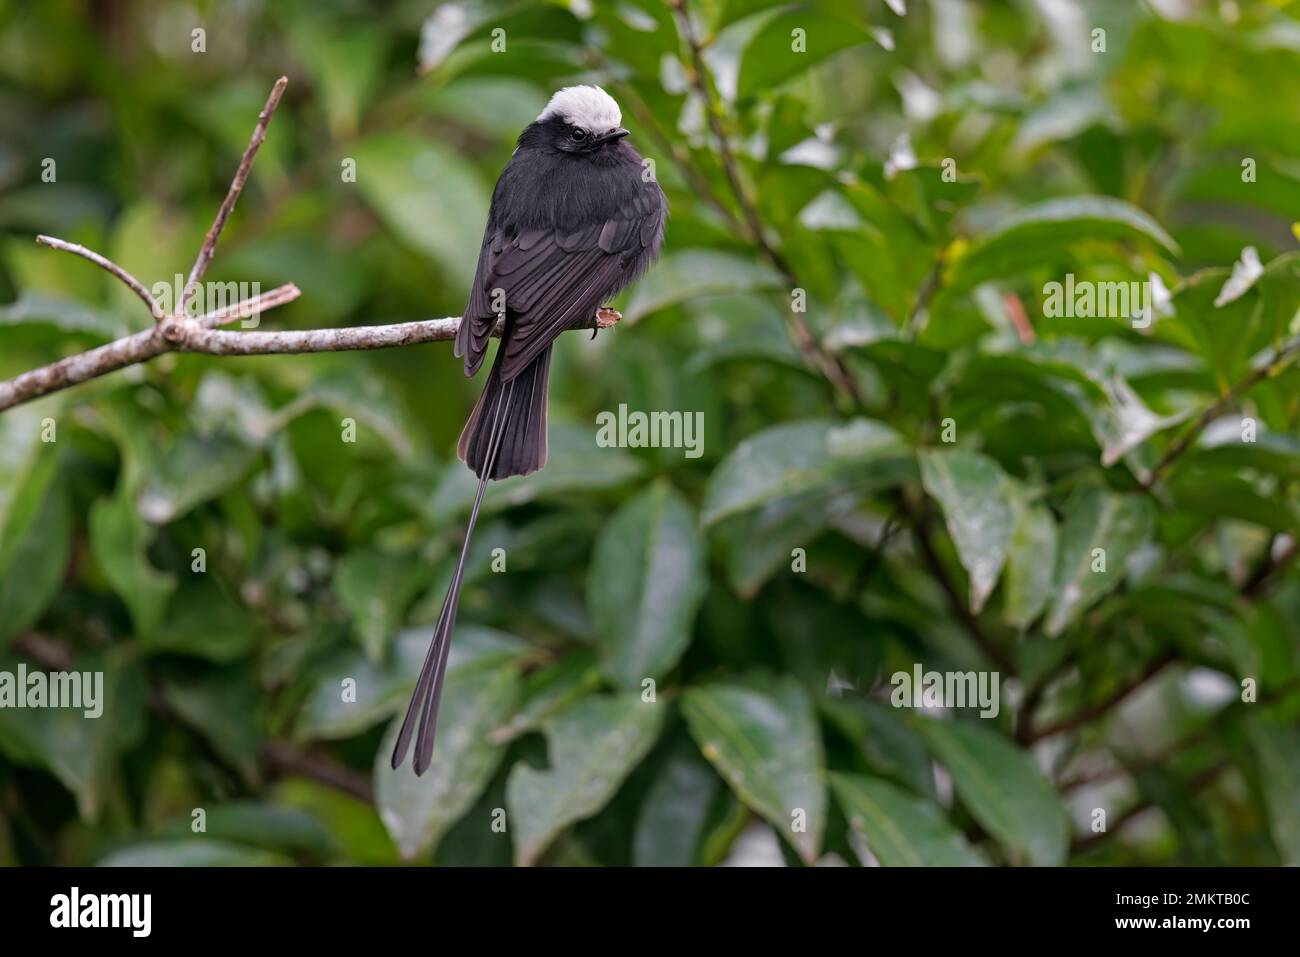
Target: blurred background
{"points": [[908, 460]]}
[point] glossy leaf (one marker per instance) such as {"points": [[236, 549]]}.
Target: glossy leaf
{"points": [[901, 830], [417, 811], [1101, 530], [797, 457], [977, 501], [766, 745], [592, 747], [647, 580], [1003, 790]]}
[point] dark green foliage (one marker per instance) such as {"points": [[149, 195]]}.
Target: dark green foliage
{"points": [[910, 456]]}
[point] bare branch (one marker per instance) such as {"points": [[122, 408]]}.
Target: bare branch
{"points": [[189, 338], [286, 759], [1099, 708], [129, 350], [180, 333], [135, 285], [187, 335], [250, 308], [73, 370], [232, 196]]}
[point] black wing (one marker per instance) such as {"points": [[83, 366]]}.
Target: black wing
{"points": [[554, 279]]}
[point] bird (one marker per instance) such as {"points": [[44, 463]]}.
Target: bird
{"points": [[576, 216]]}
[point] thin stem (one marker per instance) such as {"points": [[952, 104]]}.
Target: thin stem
{"points": [[832, 369], [1266, 370], [232, 195], [135, 285]]}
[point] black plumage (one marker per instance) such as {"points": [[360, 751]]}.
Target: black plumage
{"points": [[575, 217]]}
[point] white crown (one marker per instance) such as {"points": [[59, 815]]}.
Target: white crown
{"points": [[589, 107]]}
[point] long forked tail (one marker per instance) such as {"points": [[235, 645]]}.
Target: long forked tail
{"points": [[428, 689], [505, 435]]}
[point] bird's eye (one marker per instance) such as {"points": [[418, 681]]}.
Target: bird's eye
{"points": [[578, 134]]}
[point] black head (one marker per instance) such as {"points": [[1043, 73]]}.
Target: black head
{"points": [[560, 134], [581, 121]]}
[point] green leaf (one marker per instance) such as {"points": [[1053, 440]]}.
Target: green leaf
{"points": [[551, 689], [901, 829], [756, 544], [695, 273], [190, 472], [770, 59], [1023, 238], [1271, 453], [766, 744], [1003, 790], [65, 315], [1125, 422], [1031, 559], [1278, 751], [352, 692], [892, 747], [202, 621], [270, 827], [80, 746], [674, 814], [797, 457], [977, 501], [593, 746], [35, 540], [20, 440], [222, 706], [418, 811], [428, 195], [376, 588], [575, 464], [1095, 518], [192, 852], [646, 582], [118, 540]]}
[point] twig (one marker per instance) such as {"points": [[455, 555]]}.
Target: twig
{"points": [[345, 339], [135, 285], [1265, 370], [929, 286], [830, 365], [129, 350], [1198, 781], [250, 308], [180, 333], [921, 535], [285, 759], [232, 195], [282, 756], [1167, 754], [1093, 711], [1274, 559], [44, 650]]}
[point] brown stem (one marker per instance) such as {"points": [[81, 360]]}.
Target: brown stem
{"points": [[830, 366], [1281, 356], [921, 535], [135, 285], [1093, 711], [286, 759], [232, 195]]}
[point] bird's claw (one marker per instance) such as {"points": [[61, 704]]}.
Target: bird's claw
{"points": [[606, 318]]}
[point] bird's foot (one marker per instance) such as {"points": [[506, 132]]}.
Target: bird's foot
{"points": [[606, 318]]}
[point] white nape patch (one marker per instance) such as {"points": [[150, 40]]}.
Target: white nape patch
{"points": [[589, 107]]}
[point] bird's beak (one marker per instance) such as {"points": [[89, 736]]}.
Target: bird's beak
{"points": [[614, 134]]}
